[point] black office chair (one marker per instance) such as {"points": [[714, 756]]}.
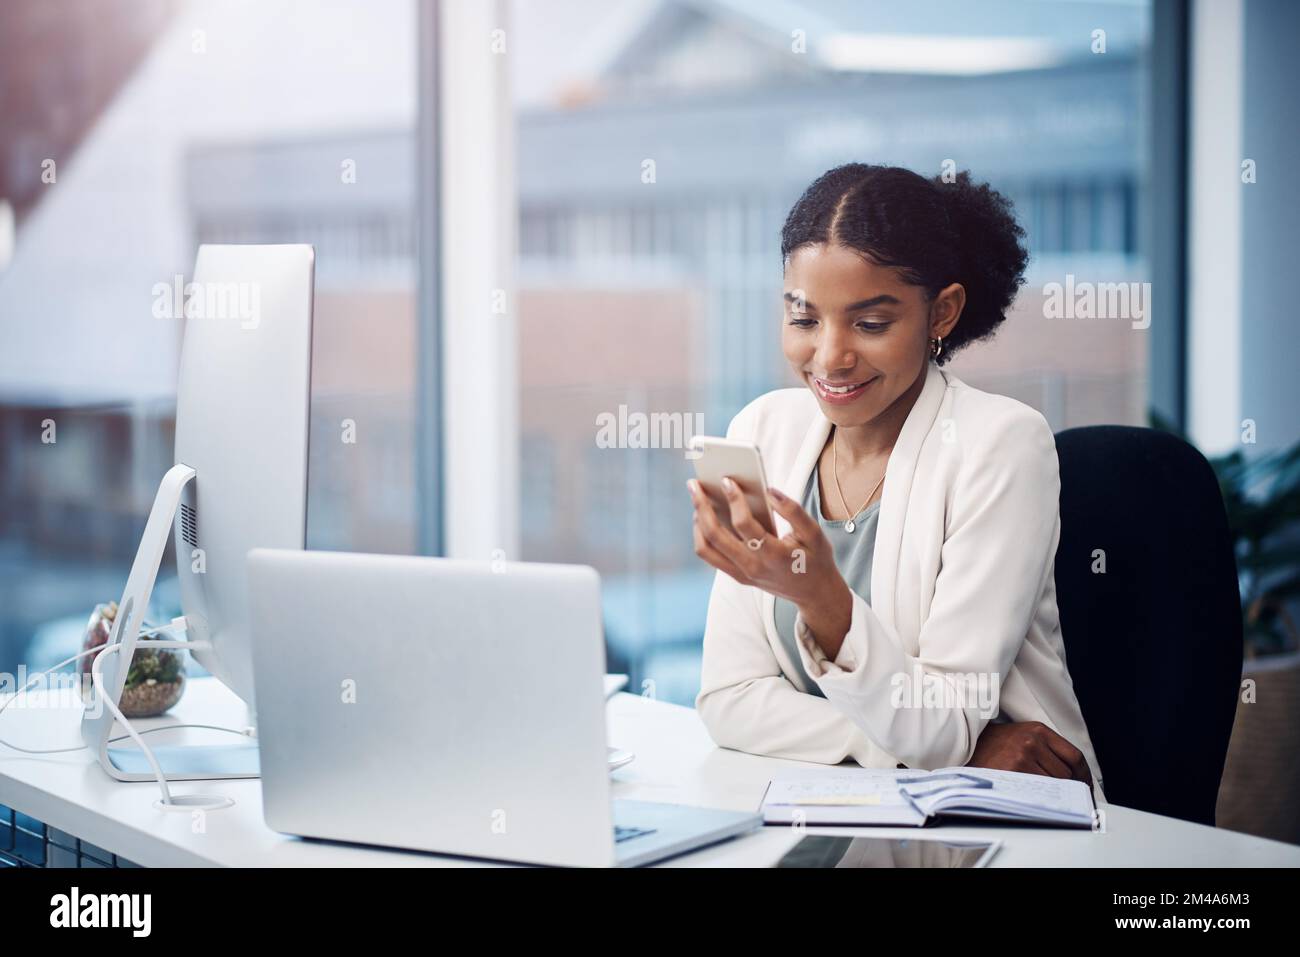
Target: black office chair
{"points": [[1154, 645]]}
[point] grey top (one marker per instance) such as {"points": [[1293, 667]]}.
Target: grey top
{"points": [[852, 557]]}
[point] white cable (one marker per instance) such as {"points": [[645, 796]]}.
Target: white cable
{"points": [[120, 737], [244, 732], [148, 631], [189, 802]]}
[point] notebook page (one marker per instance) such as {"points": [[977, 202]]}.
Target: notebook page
{"points": [[1012, 792], [850, 796]]}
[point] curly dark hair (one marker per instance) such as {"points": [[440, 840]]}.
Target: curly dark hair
{"points": [[935, 232]]}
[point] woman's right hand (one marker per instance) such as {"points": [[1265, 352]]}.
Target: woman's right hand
{"points": [[1031, 747], [799, 566]]}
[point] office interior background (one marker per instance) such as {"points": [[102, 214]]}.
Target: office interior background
{"points": [[478, 308]]}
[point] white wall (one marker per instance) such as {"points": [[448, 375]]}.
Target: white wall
{"points": [[479, 212], [1214, 219], [1243, 352]]}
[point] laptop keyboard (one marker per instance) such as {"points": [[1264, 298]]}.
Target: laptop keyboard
{"points": [[622, 834]]}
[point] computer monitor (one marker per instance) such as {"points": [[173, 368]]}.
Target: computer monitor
{"points": [[239, 482]]}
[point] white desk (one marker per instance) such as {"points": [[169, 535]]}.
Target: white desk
{"points": [[676, 761]]}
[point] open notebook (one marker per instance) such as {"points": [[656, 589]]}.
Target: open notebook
{"points": [[864, 796]]}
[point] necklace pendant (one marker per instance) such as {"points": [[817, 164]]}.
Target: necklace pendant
{"points": [[849, 526]]}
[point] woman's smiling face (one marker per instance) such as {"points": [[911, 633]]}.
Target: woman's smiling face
{"points": [[855, 333]]}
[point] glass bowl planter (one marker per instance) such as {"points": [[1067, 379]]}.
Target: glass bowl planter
{"points": [[154, 682]]}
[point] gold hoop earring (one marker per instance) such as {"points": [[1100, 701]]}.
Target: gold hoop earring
{"points": [[936, 348]]}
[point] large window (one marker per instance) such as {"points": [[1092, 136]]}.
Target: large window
{"points": [[660, 146], [134, 131]]}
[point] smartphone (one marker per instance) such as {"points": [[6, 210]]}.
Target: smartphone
{"points": [[715, 458]]}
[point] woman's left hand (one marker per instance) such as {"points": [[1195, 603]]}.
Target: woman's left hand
{"points": [[799, 567], [1031, 747]]}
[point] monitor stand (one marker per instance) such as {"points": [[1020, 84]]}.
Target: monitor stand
{"points": [[178, 762]]}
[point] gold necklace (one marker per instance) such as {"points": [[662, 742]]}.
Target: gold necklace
{"points": [[850, 525]]}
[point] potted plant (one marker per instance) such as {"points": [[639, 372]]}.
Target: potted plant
{"points": [[155, 679], [1260, 790]]}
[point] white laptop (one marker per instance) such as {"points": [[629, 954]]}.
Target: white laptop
{"points": [[448, 706]]}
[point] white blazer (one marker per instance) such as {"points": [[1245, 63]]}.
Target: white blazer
{"points": [[962, 591]]}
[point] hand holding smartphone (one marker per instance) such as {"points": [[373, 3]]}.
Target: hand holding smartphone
{"points": [[741, 462]]}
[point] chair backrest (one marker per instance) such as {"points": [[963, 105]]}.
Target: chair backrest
{"points": [[1153, 642]]}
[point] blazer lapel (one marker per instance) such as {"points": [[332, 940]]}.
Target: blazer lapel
{"points": [[899, 473]]}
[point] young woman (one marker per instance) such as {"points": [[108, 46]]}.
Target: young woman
{"points": [[904, 615]]}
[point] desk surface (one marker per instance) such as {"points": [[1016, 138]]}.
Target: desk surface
{"points": [[676, 762]]}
